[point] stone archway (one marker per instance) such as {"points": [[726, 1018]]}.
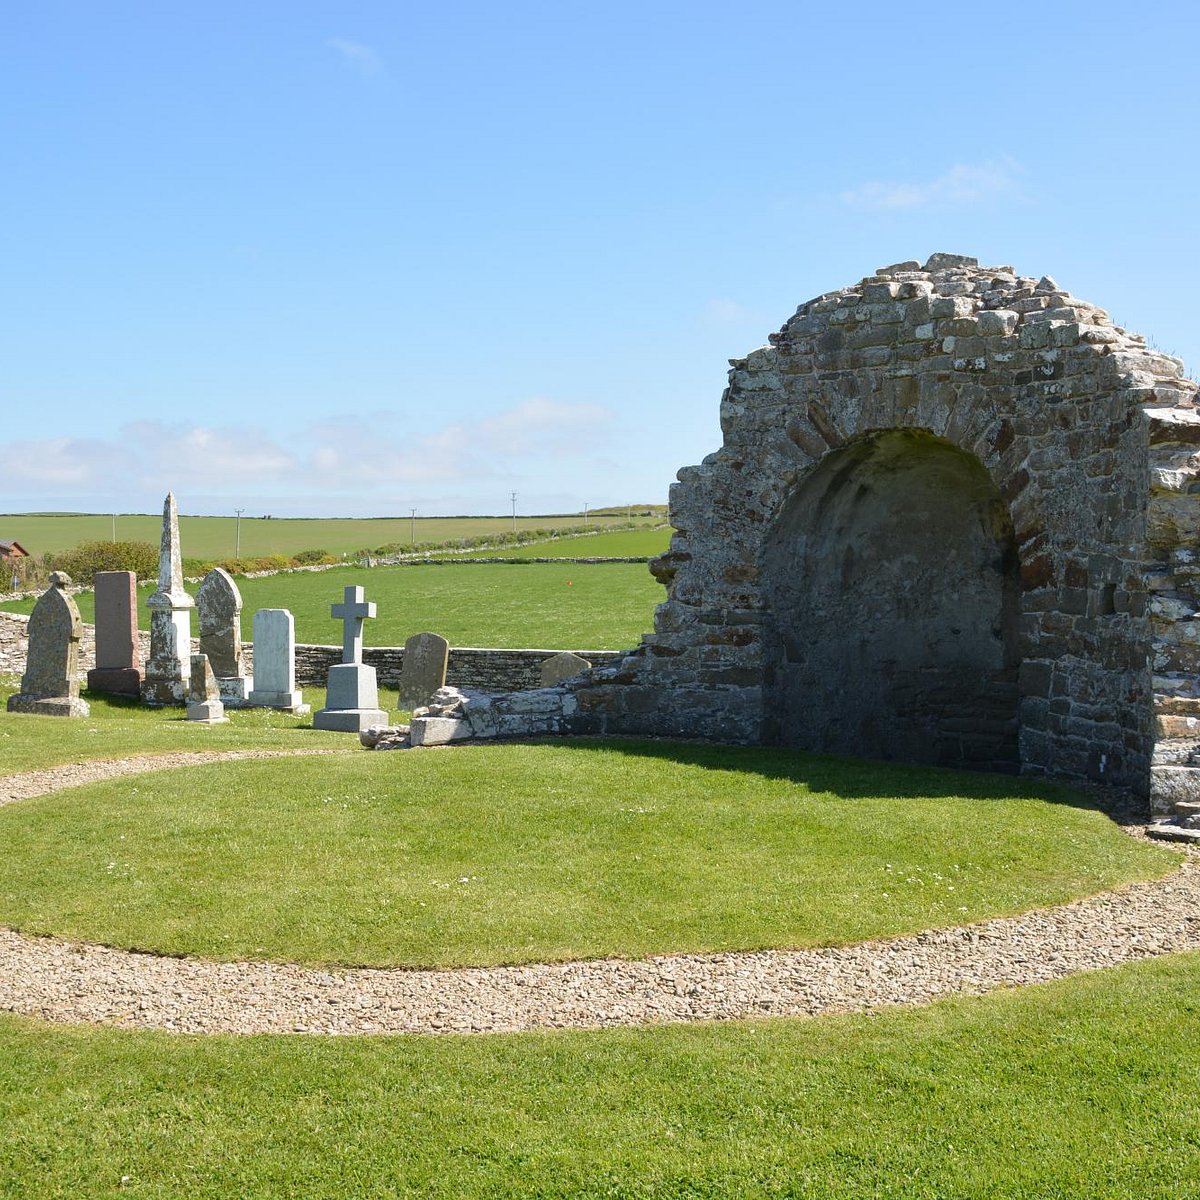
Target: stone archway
{"points": [[1025, 403], [891, 593]]}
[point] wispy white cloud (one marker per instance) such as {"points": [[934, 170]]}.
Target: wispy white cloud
{"points": [[962, 185], [362, 58], [360, 456]]}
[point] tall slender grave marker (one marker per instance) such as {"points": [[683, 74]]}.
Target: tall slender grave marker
{"points": [[352, 695], [118, 643], [169, 667]]}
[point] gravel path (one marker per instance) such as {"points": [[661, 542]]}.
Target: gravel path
{"points": [[54, 779], [62, 981]]}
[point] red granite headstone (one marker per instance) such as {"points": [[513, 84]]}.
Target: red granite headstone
{"points": [[117, 669]]}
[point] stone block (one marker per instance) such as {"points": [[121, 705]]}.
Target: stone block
{"points": [[438, 731], [115, 681], [349, 720], [352, 685], [351, 700], [207, 712]]}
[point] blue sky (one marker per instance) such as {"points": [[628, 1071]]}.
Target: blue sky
{"points": [[318, 259]]}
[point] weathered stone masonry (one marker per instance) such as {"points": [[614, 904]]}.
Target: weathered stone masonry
{"points": [[952, 521]]}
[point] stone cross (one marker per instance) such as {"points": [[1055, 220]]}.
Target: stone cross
{"points": [[352, 611], [352, 689]]}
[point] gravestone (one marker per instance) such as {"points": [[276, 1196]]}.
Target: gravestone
{"points": [[423, 669], [118, 644], [219, 604], [169, 666], [50, 685], [562, 666], [275, 662], [204, 698], [352, 695]]}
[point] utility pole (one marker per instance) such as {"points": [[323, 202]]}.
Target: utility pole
{"points": [[585, 508], [514, 504], [237, 540], [412, 528], [114, 537]]}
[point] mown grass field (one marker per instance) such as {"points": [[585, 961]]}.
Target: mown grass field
{"points": [[552, 851], [569, 606], [1082, 1089], [216, 537], [1079, 1090]]}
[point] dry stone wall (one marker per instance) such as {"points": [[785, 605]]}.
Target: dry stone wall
{"points": [[479, 669], [474, 668]]}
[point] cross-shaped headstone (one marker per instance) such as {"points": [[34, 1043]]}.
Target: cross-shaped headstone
{"points": [[353, 610]]}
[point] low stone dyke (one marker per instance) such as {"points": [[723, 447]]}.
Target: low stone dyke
{"points": [[474, 668]]}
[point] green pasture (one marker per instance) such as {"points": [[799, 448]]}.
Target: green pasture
{"points": [[1084, 1089], [567, 606], [216, 537], [625, 543]]}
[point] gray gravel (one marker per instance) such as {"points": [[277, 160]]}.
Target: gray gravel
{"points": [[63, 981]]}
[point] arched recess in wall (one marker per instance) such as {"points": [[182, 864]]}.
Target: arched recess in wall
{"points": [[892, 591]]}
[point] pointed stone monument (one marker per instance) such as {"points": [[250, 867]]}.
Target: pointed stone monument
{"points": [[204, 700], [275, 662], [562, 666], [169, 666], [50, 685], [219, 604], [352, 696], [118, 669]]}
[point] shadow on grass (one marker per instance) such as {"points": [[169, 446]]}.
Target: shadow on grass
{"points": [[860, 778]]}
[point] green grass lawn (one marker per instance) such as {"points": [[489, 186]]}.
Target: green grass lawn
{"points": [[216, 537], [1084, 1089], [545, 851], [1079, 1090], [121, 728], [540, 605]]}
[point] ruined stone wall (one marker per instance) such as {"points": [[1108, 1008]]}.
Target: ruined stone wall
{"points": [[1066, 451]]}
